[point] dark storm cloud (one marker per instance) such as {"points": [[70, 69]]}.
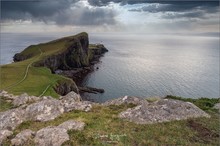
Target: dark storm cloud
{"points": [[38, 8], [62, 12], [209, 6], [155, 6]]}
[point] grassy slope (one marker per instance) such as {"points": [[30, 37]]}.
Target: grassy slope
{"points": [[37, 78], [103, 127]]}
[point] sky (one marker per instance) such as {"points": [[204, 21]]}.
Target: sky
{"points": [[132, 16]]}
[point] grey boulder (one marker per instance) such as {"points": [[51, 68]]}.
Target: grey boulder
{"points": [[44, 110], [51, 136], [163, 110], [4, 134], [72, 125], [11, 119], [23, 137], [125, 100]]}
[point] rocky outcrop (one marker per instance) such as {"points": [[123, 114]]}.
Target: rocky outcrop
{"points": [[24, 99], [72, 125], [56, 136], [48, 136], [71, 97], [125, 100], [163, 110], [23, 137], [51, 136], [44, 110], [12, 118], [4, 134], [72, 102]]}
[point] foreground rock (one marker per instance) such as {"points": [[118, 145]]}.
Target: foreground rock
{"points": [[71, 96], [72, 125], [56, 136], [23, 137], [51, 136], [11, 119], [44, 110], [72, 102], [4, 134], [163, 110], [125, 100], [23, 99]]}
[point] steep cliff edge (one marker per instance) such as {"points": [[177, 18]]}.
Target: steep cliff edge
{"points": [[30, 67], [74, 54]]}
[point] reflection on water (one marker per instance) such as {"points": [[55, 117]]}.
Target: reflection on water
{"points": [[158, 65], [142, 65]]}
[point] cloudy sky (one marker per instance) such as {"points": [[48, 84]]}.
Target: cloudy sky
{"points": [[133, 16]]}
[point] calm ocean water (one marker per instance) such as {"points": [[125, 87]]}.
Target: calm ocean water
{"points": [[142, 64]]}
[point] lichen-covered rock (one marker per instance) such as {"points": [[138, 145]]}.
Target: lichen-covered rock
{"points": [[4, 134], [72, 125], [6, 95], [125, 100], [70, 105], [51, 136], [24, 98], [23, 137], [162, 111], [11, 118], [71, 97], [44, 110]]}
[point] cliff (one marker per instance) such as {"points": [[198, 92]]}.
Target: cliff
{"points": [[74, 54], [36, 66]]}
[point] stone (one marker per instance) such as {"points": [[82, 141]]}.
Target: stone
{"points": [[72, 125], [217, 106], [24, 99], [44, 110], [71, 97], [70, 106], [47, 97], [6, 95], [51, 136], [23, 137], [125, 100], [11, 119], [4, 134], [163, 110]]}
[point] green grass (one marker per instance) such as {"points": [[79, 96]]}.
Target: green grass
{"points": [[4, 105], [103, 127]]}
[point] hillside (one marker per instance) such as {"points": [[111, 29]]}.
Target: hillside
{"points": [[34, 68]]}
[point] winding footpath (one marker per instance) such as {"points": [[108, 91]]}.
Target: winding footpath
{"points": [[26, 72]]}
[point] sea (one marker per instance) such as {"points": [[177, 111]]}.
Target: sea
{"points": [[142, 65]]}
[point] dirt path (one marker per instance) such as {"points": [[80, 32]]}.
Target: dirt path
{"points": [[45, 90], [26, 72]]}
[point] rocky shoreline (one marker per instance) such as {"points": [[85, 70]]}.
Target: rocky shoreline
{"points": [[41, 109]]}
